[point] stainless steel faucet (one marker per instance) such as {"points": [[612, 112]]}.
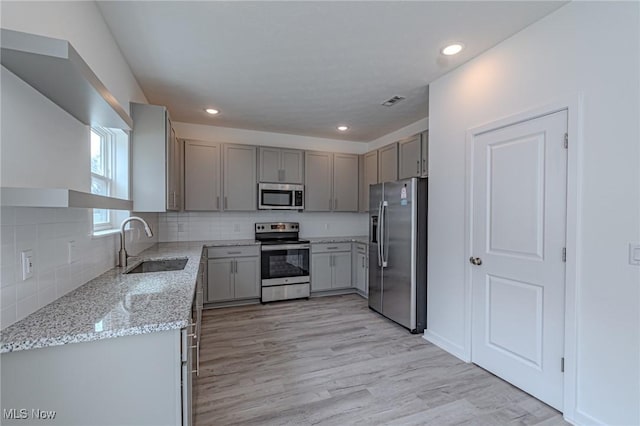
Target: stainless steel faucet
{"points": [[122, 254]]}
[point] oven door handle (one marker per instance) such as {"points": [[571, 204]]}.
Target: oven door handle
{"points": [[285, 247]]}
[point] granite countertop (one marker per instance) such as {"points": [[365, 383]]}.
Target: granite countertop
{"points": [[364, 239], [115, 304]]}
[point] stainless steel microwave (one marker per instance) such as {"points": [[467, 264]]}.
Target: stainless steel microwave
{"points": [[280, 196]]}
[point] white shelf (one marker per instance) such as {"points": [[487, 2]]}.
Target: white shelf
{"points": [[54, 68], [58, 197]]}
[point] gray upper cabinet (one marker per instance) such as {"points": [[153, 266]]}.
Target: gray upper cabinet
{"points": [[331, 182], [239, 182], [425, 153], [388, 163], [202, 176], [154, 143], [345, 182], [369, 177], [409, 157], [281, 165], [318, 180]]}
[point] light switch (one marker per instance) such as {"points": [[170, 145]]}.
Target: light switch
{"points": [[27, 264], [634, 253]]}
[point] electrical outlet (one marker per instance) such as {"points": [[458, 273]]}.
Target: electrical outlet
{"points": [[27, 264], [181, 227], [72, 252], [634, 253]]}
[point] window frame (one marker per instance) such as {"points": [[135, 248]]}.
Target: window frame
{"points": [[108, 155]]}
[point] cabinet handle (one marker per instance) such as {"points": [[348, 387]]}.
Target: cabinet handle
{"points": [[363, 262], [217, 202], [332, 248], [424, 166], [418, 167], [226, 203], [331, 261], [284, 175], [235, 266], [335, 204], [234, 252]]}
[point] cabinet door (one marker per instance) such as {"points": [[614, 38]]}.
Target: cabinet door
{"points": [[247, 277], [410, 160], [360, 272], [269, 164], [292, 162], [321, 271], [201, 176], [170, 164], [318, 176], [345, 182], [239, 183], [219, 279], [388, 163], [370, 176], [425, 153], [341, 270]]}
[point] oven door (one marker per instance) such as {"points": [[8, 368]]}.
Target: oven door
{"points": [[284, 264]]}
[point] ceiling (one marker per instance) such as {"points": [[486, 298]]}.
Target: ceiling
{"points": [[304, 67]]}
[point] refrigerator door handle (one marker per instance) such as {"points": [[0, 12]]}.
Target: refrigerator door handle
{"points": [[385, 259], [378, 234]]}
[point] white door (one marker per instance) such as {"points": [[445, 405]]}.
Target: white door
{"points": [[518, 272]]}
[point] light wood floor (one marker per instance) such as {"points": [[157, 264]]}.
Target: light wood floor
{"points": [[332, 361]]}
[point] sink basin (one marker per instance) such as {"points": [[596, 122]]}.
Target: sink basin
{"points": [[158, 266]]}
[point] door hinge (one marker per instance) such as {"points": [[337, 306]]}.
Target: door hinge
{"points": [[564, 254], [566, 140], [562, 365]]}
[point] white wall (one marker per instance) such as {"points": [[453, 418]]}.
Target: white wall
{"points": [[406, 131], [589, 48], [43, 146], [254, 137]]}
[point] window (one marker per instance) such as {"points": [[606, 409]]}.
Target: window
{"points": [[109, 172], [101, 173]]}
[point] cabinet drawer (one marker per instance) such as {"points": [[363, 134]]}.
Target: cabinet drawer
{"points": [[330, 248], [233, 251], [361, 248]]}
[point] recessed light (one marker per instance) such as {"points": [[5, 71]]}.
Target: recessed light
{"points": [[343, 128], [212, 111], [452, 49]]}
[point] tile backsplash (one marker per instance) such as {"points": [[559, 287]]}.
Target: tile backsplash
{"points": [[199, 226], [48, 231]]}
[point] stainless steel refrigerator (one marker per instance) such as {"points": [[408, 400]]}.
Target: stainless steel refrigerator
{"points": [[398, 252]]}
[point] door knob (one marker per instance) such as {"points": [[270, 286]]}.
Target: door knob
{"points": [[475, 261]]}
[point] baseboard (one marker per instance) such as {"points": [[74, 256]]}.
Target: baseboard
{"points": [[446, 345]]}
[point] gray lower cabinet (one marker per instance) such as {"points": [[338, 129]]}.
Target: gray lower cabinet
{"points": [[145, 380], [388, 163], [410, 157], [330, 266], [202, 176], [331, 182], [239, 182], [235, 275], [361, 268], [280, 165]]}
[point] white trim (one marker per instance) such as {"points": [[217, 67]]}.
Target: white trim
{"points": [[446, 345], [574, 104]]}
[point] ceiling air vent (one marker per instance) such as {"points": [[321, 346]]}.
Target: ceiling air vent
{"points": [[392, 101]]}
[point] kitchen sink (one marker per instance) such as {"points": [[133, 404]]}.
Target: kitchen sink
{"points": [[158, 266]]}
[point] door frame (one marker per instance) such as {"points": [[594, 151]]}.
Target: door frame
{"points": [[574, 105]]}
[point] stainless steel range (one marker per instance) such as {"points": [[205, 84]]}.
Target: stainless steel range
{"points": [[284, 261]]}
